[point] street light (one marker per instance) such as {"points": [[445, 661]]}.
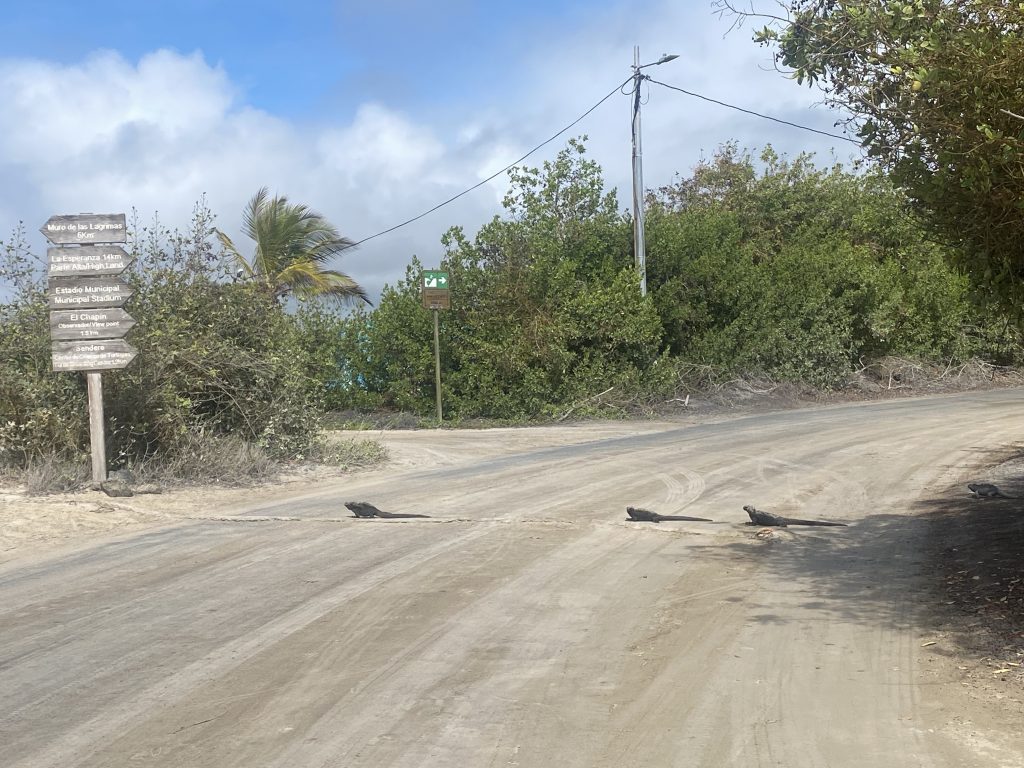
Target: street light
{"points": [[638, 172]]}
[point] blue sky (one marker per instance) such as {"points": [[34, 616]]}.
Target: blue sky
{"points": [[370, 112], [295, 58]]}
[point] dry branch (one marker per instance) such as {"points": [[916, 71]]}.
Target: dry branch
{"points": [[578, 403]]}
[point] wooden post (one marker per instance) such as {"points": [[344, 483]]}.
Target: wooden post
{"points": [[97, 440], [437, 366]]}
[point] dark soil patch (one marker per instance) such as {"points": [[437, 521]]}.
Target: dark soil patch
{"points": [[976, 551]]}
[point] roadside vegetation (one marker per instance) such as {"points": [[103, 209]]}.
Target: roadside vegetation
{"points": [[227, 387], [769, 277], [761, 269], [932, 89]]}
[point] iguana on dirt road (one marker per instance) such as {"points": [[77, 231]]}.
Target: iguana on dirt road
{"points": [[646, 516], [757, 517], [365, 509], [988, 491]]}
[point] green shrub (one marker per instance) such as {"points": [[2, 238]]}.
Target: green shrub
{"points": [[224, 375]]}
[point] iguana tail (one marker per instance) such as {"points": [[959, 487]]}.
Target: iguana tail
{"points": [[791, 521]]}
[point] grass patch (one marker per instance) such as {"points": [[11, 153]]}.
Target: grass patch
{"points": [[202, 460], [50, 474], [199, 459], [349, 453], [376, 420]]}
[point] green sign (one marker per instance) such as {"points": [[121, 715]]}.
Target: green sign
{"points": [[435, 279]]}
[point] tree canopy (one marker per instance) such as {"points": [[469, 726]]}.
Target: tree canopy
{"points": [[935, 91], [293, 244], [545, 309], [756, 265]]}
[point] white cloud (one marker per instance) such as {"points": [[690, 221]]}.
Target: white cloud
{"points": [[108, 134], [381, 147], [57, 115], [566, 75]]}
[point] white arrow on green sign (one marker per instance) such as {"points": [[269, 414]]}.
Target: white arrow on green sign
{"points": [[435, 279]]}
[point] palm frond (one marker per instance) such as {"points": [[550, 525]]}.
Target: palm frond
{"points": [[293, 243], [306, 279], [236, 254]]}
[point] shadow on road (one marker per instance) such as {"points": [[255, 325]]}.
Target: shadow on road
{"points": [[976, 551], [951, 563]]}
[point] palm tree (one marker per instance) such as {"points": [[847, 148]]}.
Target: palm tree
{"points": [[293, 243]]}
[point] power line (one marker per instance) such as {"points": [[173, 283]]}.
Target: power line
{"points": [[497, 173], [751, 112], [576, 121]]}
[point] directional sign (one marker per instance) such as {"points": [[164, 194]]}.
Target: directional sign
{"points": [[435, 279], [86, 228], [84, 292], [436, 298], [79, 324], [88, 260], [435, 289], [92, 355]]}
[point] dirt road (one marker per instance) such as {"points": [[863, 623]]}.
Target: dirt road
{"points": [[526, 623]]}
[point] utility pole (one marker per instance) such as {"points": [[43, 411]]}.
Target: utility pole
{"points": [[639, 254], [639, 249]]}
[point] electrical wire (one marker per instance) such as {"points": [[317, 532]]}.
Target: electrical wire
{"points": [[751, 112], [496, 173], [605, 98]]}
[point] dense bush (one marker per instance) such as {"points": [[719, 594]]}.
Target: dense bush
{"points": [[802, 272], [545, 310], [40, 412], [767, 266], [216, 359]]}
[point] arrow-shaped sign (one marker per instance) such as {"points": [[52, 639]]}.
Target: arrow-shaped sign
{"points": [[92, 355], [88, 260], [86, 228], [81, 324], [85, 292]]}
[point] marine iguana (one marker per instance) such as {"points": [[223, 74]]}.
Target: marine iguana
{"points": [[988, 491], [365, 509], [646, 516], [757, 517]]}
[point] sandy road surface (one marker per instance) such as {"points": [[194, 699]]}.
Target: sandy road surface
{"points": [[525, 623]]}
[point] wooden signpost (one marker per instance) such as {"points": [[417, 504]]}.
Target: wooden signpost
{"points": [[80, 324], [85, 297], [97, 355], [85, 228], [88, 260], [435, 289], [87, 292]]}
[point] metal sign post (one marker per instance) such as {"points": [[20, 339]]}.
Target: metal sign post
{"points": [[85, 296], [435, 287], [437, 367]]}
